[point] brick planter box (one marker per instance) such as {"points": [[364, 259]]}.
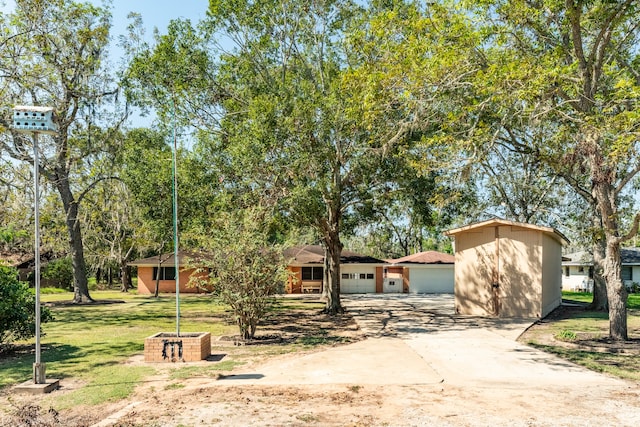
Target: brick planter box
{"points": [[166, 347]]}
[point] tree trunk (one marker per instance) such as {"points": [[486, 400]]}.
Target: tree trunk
{"points": [[80, 282], [125, 275], [603, 193], [156, 292], [331, 291], [616, 292], [599, 302], [125, 271]]}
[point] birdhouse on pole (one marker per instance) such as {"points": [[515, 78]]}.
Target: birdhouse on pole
{"points": [[34, 119]]}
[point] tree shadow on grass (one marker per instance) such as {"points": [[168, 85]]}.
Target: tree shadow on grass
{"points": [[17, 365]]}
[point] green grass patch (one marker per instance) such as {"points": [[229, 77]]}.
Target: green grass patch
{"points": [[633, 301], [48, 291], [586, 330], [620, 365], [566, 335], [322, 339], [89, 344], [108, 383], [174, 386]]}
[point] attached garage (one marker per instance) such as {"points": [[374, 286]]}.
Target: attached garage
{"points": [[357, 279], [428, 272], [359, 274], [427, 279], [507, 269]]}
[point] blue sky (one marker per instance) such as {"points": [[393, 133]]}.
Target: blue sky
{"points": [[155, 14]]}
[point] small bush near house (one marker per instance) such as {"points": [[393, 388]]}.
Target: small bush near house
{"points": [[17, 308], [634, 288]]}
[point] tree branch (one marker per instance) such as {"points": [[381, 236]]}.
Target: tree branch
{"points": [[93, 184]]}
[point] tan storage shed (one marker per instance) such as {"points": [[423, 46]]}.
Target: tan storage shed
{"points": [[507, 269]]}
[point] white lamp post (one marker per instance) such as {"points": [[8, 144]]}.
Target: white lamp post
{"points": [[35, 120]]}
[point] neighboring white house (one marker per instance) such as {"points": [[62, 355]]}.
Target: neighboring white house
{"points": [[577, 270]]}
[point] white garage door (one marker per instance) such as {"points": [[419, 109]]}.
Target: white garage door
{"points": [[431, 280], [357, 279]]}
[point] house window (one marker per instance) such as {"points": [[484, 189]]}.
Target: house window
{"points": [[166, 273], [363, 276], [312, 273], [348, 276], [581, 269], [566, 271], [627, 273], [370, 276]]}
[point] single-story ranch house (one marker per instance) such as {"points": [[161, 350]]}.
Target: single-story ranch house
{"points": [[577, 270], [164, 266], [426, 272], [507, 269]]}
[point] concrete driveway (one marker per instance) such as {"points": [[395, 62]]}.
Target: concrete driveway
{"points": [[417, 339], [465, 350], [421, 365]]}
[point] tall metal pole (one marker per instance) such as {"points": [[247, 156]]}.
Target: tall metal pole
{"points": [[38, 367], [35, 120], [175, 220]]}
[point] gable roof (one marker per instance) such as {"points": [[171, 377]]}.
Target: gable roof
{"points": [[498, 221], [427, 257], [23, 260], [628, 256], [314, 254]]}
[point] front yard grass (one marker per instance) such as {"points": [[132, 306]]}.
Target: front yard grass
{"points": [[91, 346], [581, 336]]}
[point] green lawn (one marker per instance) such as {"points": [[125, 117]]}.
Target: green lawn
{"points": [[579, 338], [90, 342], [633, 302], [87, 344]]}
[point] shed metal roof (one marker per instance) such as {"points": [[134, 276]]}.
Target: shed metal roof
{"points": [[498, 221]]}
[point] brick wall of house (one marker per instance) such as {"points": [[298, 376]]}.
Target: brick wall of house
{"points": [[294, 284], [379, 280], [147, 284]]}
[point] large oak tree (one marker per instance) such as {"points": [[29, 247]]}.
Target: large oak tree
{"points": [[52, 55], [569, 72]]}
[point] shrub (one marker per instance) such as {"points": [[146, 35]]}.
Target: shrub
{"points": [[17, 308], [59, 273], [246, 271]]}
